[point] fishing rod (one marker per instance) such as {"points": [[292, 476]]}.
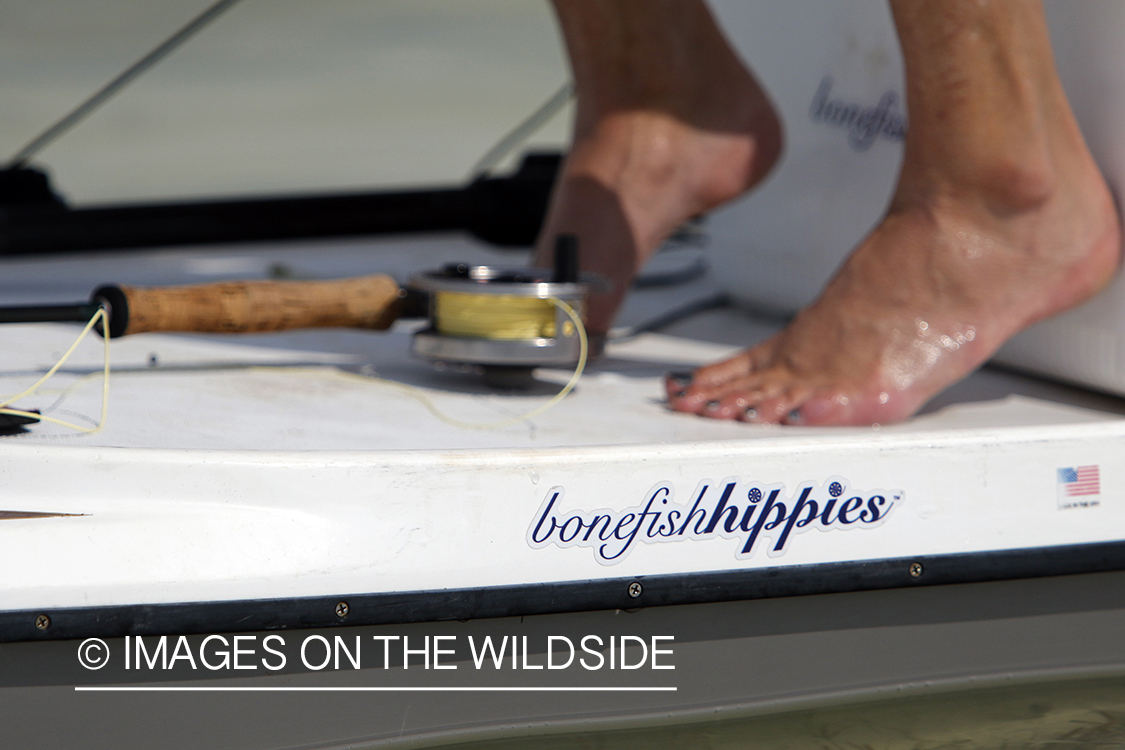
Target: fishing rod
{"points": [[478, 315], [502, 323]]}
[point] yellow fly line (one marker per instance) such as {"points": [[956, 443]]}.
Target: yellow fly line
{"points": [[31, 390], [505, 319], [502, 317], [423, 398]]}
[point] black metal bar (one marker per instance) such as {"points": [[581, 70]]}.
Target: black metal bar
{"points": [[504, 211], [35, 230]]}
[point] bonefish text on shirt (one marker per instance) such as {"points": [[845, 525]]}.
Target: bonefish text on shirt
{"points": [[729, 509], [863, 123]]}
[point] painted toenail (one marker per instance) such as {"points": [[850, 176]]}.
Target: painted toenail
{"points": [[712, 405], [750, 412], [681, 379], [795, 416]]}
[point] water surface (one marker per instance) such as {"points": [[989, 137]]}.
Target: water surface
{"points": [[1058, 715]]}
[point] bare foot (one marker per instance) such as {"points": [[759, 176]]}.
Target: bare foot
{"points": [[669, 125], [1000, 219], [930, 295]]}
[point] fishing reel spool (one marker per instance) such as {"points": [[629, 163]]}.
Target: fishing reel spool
{"points": [[504, 321]]}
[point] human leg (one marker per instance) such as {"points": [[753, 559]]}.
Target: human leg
{"points": [[669, 124], [1000, 218]]}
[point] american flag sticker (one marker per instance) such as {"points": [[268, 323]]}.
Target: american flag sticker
{"points": [[1079, 486]]}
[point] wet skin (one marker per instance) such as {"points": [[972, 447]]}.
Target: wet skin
{"points": [[1000, 217]]}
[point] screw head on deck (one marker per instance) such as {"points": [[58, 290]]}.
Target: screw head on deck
{"points": [[342, 610], [635, 589], [42, 622], [916, 570]]}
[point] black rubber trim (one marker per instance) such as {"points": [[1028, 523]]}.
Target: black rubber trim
{"points": [[549, 598]]}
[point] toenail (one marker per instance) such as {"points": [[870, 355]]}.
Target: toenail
{"points": [[712, 405], [794, 416], [681, 379], [750, 412]]}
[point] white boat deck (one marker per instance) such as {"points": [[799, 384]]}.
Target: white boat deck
{"points": [[339, 390]]}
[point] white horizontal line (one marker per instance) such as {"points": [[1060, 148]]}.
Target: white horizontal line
{"points": [[359, 689]]}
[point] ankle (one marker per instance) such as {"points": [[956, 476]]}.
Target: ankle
{"points": [[1017, 183], [1003, 181]]}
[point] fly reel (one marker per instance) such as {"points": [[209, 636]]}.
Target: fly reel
{"points": [[506, 321]]}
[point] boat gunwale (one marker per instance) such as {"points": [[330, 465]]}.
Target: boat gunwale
{"points": [[519, 600]]}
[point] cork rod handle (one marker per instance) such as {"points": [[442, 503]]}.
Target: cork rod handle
{"points": [[251, 306]]}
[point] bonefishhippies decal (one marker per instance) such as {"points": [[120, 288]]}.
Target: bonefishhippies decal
{"points": [[752, 513]]}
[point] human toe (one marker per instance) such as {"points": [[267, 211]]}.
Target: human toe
{"points": [[719, 373], [742, 406], [677, 383]]}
